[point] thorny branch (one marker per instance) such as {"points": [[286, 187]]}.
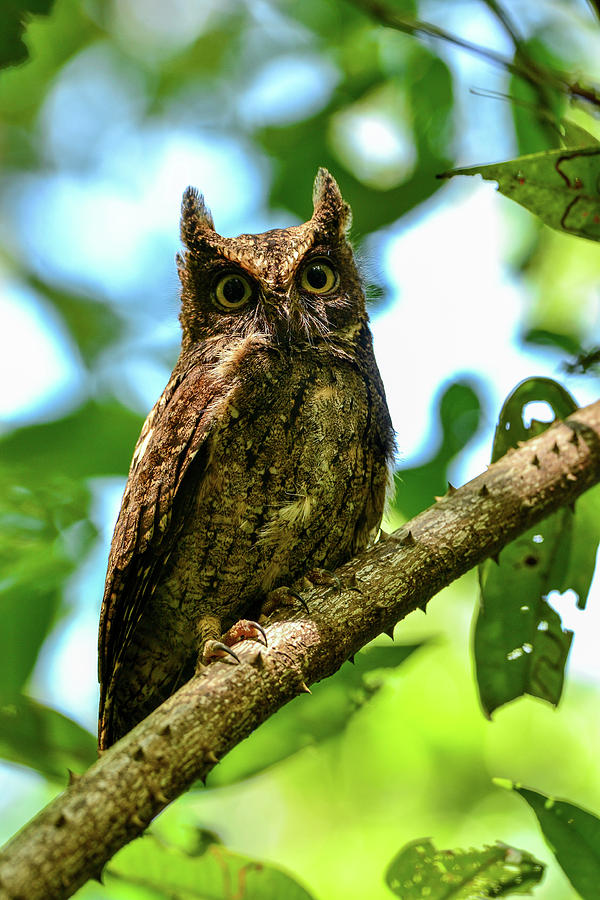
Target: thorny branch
{"points": [[115, 800]]}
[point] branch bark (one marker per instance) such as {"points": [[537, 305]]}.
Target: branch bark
{"points": [[115, 800]]}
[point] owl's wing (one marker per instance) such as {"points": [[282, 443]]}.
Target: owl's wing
{"points": [[173, 436]]}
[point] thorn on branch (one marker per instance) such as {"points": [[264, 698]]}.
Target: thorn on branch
{"points": [[556, 448], [536, 461], [257, 660], [484, 490]]}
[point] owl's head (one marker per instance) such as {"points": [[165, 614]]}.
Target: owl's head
{"points": [[292, 285]]}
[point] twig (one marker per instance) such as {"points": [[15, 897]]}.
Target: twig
{"points": [[115, 800], [532, 72], [504, 18]]}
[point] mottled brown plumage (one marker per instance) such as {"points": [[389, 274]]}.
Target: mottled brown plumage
{"points": [[266, 455]]}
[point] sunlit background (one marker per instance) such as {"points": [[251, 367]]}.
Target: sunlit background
{"points": [[123, 106]]}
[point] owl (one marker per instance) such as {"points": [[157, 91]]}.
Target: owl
{"points": [[267, 455]]}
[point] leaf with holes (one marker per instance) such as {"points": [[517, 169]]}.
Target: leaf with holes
{"points": [[520, 646], [562, 187], [420, 870]]}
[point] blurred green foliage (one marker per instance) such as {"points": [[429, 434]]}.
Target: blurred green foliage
{"points": [[150, 869], [44, 533], [458, 411], [14, 15], [323, 717], [332, 785]]}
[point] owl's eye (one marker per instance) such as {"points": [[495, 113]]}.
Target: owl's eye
{"points": [[232, 291], [318, 277]]}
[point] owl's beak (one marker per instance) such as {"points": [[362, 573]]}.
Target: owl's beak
{"points": [[284, 314], [277, 304]]}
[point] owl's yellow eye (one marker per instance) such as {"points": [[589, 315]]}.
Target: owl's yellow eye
{"points": [[318, 276], [232, 291]]}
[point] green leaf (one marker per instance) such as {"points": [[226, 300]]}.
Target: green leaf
{"points": [[51, 41], [545, 338], [34, 735], [44, 533], [13, 18], [458, 410], [98, 439], [419, 870], [215, 874], [559, 186], [519, 644], [310, 719], [576, 136], [93, 323], [573, 834], [536, 109], [511, 427], [584, 545]]}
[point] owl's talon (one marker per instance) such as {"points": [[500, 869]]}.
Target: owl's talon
{"points": [[300, 599], [245, 629], [217, 650], [280, 597]]}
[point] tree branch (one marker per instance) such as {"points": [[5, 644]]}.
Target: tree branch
{"points": [[115, 800], [535, 73]]}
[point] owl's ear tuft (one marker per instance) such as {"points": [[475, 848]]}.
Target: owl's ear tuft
{"points": [[330, 210], [195, 216]]}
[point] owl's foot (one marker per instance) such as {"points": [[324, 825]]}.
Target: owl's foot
{"points": [[245, 629], [213, 650], [322, 577], [282, 596]]}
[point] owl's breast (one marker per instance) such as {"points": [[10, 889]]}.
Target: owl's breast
{"points": [[316, 458], [294, 478]]}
